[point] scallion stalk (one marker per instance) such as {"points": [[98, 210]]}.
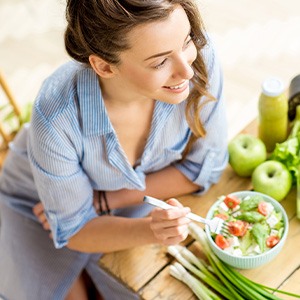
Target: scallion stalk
{"points": [[248, 281], [261, 288], [198, 288], [207, 278], [199, 235], [241, 289], [249, 286]]}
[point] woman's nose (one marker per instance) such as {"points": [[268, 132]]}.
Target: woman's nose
{"points": [[183, 69]]}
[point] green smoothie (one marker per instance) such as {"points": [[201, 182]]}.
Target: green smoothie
{"points": [[273, 117]]}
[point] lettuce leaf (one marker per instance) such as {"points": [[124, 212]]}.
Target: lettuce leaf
{"points": [[251, 216], [288, 152], [251, 203], [246, 242], [260, 233]]}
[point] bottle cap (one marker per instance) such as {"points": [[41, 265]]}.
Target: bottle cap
{"points": [[272, 87]]}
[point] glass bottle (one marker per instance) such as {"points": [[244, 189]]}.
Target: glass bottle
{"points": [[273, 113]]}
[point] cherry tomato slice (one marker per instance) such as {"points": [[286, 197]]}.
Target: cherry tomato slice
{"points": [[231, 201], [221, 241], [238, 228], [222, 216], [272, 241], [263, 208]]}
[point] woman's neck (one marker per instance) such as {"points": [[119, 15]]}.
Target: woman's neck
{"points": [[116, 95], [130, 117]]}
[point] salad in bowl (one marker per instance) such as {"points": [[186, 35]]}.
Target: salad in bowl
{"points": [[255, 231]]}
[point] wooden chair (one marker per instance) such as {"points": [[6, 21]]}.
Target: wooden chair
{"points": [[11, 102]]}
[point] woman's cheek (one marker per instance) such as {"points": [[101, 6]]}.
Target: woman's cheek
{"points": [[157, 79]]}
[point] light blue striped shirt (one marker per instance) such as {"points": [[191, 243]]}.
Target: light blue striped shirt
{"points": [[73, 148]]}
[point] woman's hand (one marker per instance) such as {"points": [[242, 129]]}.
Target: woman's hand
{"points": [[170, 226], [39, 212]]}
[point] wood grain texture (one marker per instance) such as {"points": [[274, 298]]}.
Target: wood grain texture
{"points": [[135, 267], [291, 284]]}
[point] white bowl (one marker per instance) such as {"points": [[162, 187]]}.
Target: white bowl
{"points": [[253, 261]]}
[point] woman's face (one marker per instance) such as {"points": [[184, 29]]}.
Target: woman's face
{"points": [[158, 64]]}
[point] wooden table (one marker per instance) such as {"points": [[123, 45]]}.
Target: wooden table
{"points": [[145, 270]]}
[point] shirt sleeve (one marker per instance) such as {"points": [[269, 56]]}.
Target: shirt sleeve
{"points": [[62, 185], [208, 157]]}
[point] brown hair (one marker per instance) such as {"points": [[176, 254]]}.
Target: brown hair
{"points": [[100, 27]]}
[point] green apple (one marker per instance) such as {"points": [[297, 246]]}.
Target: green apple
{"points": [[272, 178], [246, 152]]}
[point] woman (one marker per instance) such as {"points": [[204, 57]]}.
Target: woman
{"points": [[139, 112]]}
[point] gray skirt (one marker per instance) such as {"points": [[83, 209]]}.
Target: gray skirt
{"points": [[31, 268]]}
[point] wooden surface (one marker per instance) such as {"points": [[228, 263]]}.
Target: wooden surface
{"points": [[145, 270]]}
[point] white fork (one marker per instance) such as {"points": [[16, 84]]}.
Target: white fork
{"points": [[216, 225]]}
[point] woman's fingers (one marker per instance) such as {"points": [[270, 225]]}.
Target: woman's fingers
{"points": [[42, 217], [39, 212], [169, 218], [176, 240], [170, 226], [174, 202], [38, 209], [172, 232], [181, 236], [46, 225], [170, 214]]}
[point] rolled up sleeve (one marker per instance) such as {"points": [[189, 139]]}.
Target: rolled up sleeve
{"points": [[208, 158], [63, 187]]}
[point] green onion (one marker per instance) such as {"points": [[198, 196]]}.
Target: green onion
{"points": [[216, 276], [188, 260], [198, 288]]}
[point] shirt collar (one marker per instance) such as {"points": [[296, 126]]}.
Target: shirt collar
{"points": [[92, 109]]}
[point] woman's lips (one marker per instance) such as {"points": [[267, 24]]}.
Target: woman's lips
{"points": [[178, 88]]}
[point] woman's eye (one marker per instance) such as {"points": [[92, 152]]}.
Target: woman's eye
{"points": [[160, 64], [188, 42]]}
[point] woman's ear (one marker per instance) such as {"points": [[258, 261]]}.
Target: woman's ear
{"points": [[101, 67]]}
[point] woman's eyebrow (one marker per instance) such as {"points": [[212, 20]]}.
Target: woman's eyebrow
{"points": [[158, 55], [166, 52]]}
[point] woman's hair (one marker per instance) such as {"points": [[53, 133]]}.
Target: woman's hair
{"points": [[100, 27]]}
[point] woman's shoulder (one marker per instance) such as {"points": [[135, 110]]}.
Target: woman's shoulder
{"points": [[59, 90]]}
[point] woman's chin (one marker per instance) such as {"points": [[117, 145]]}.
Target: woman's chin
{"points": [[174, 98]]}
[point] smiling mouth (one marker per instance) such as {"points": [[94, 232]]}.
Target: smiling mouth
{"points": [[177, 87]]}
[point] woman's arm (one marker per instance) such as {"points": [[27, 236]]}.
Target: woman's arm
{"points": [[109, 233], [163, 184], [164, 227]]}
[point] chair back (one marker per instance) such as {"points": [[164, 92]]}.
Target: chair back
{"points": [[10, 107]]}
